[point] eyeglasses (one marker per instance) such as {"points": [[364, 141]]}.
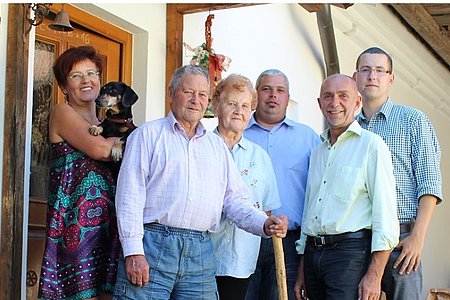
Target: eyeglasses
{"points": [[90, 74], [378, 71]]}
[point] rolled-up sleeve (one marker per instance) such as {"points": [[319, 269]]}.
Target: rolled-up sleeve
{"points": [[381, 187]]}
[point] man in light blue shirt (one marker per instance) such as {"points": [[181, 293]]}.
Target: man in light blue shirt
{"points": [[289, 146], [350, 221]]}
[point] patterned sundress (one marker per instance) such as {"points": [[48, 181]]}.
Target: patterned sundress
{"points": [[82, 243]]}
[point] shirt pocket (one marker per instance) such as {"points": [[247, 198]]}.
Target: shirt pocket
{"points": [[347, 181]]}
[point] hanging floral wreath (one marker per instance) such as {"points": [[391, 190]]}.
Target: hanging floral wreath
{"points": [[205, 56]]}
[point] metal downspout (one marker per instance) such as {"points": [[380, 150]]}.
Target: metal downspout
{"points": [[326, 32]]}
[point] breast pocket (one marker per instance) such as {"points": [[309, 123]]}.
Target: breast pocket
{"points": [[346, 181]]}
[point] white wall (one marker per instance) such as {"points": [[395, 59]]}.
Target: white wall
{"points": [[276, 36]]}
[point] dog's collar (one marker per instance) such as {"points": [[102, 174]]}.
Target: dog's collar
{"points": [[121, 121], [127, 122]]}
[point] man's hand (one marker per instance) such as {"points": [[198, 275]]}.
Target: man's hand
{"points": [[412, 245], [276, 224], [369, 287], [137, 269], [299, 287], [409, 258]]}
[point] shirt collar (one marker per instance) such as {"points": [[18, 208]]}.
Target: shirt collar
{"points": [[242, 143], [354, 128], [200, 130], [253, 122], [385, 110]]}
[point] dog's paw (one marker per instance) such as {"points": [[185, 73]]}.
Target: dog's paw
{"points": [[95, 130], [117, 150]]}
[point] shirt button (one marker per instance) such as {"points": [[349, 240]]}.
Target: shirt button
{"points": [[320, 199]]}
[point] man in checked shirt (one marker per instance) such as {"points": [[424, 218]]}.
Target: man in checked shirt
{"points": [[416, 156], [175, 181]]}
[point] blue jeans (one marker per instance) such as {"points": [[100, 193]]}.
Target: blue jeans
{"points": [[263, 283], [334, 272], [401, 287], [182, 266]]}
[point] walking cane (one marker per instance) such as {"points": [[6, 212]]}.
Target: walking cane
{"points": [[280, 268]]}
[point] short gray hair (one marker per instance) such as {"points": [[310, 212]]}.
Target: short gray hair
{"points": [[271, 72], [187, 69]]}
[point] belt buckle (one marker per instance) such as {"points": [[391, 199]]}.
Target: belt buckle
{"points": [[322, 241]]}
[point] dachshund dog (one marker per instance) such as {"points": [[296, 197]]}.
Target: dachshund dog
{"points": [[114, 108]]}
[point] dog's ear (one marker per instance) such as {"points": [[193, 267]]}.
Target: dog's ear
{"points": [[129, 97]]}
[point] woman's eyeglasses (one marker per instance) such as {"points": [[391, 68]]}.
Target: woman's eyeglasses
{"points": [[90, 74]]}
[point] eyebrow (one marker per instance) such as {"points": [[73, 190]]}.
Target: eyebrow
{"points": [[373, 67]]}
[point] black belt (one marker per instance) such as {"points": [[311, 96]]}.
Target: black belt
{"points": [[329, 240], [405, 227]]}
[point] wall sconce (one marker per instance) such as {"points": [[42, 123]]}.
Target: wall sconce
{"points": [[41, 11]]}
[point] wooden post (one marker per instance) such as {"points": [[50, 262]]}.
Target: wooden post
{"points": [[280, 267]]}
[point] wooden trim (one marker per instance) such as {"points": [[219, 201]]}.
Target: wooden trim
{"points": [[14, 152], [201, 7], [174, 45], [106, 29], [424, 24]]}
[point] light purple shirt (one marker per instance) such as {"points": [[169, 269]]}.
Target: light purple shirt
{"points": [[167, 178]]}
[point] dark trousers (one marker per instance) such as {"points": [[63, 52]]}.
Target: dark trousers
{"points": [[263, 283], [334, 272], [232, 288]]}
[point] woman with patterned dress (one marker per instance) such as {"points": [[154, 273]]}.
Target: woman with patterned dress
{"points": [[82, 244], [236, 251]]}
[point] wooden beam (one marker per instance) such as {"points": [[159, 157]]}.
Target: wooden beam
{"points": [[315, 7], [437, 9], [202, 7], [14, 152], [443, 20], [424, 24], [174, 44]]}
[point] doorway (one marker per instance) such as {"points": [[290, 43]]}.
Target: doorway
{"points": [[49, 44]]}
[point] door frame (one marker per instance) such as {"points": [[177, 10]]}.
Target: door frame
{"points": [[13, 234]]}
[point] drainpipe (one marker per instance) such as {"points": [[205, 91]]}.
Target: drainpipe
{"points": [[326, 31]]}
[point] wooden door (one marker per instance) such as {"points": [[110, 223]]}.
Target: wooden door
{"points": [[49, 45]]}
